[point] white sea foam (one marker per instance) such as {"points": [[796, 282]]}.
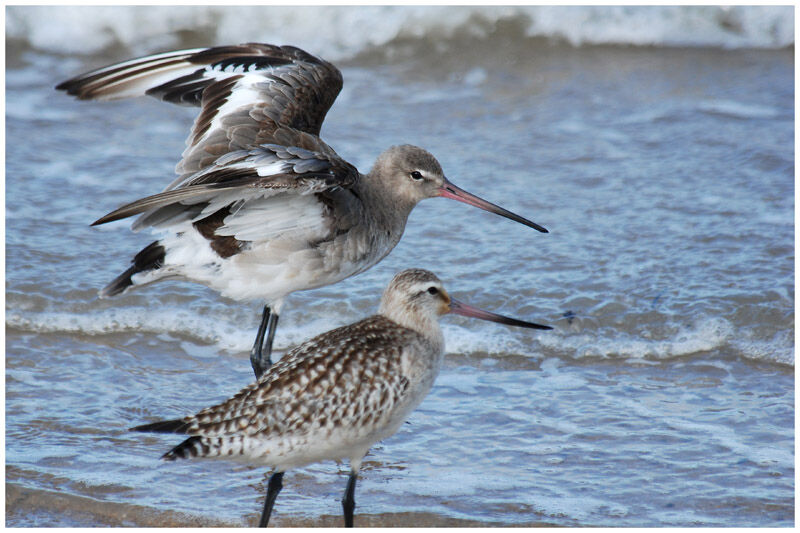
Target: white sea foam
{"points": [[705, 335], [779, 349], [342, 32], [235, 336], [228, 335], [169, 321]]}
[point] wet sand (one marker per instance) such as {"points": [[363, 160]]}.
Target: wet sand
{"points": [[45, 508]]}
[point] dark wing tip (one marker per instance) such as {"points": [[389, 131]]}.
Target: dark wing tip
{"points": [[117, 214], [163, 426], [191, 447], [76, 87], [70, 87], [106, 218]]}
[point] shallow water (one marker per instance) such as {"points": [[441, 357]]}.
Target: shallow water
{"points": [[664, 396]]}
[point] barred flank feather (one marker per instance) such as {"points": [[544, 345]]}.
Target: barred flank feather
{"points": [[191, 447], [207, 447]]}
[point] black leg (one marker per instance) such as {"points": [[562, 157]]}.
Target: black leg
{"points": [[349, 501], [271, 327], [255, 353], [273, 488], [261, 352]]}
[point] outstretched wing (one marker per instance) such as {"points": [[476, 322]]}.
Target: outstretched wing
{"points": [[249, 94], [254, 195]]}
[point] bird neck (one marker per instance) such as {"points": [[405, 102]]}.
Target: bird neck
{"points": [[427, 326], [384, 204]]}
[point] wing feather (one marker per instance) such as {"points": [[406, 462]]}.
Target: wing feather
{"points": [[253, 160], [313, 384], [249, 94], [242, 182]]}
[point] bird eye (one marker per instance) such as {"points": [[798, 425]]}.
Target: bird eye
{"points": [[433, 290], [416, 175]]}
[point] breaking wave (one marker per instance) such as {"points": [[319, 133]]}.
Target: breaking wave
{"points": [[339, 32]]}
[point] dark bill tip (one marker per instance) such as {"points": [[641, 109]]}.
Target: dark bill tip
{"points": [[448, 190], [460, 308]]}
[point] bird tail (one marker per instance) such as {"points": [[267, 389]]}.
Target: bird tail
{"points": [[191, 447], [150, 258], [195, 446], [207, 447]]}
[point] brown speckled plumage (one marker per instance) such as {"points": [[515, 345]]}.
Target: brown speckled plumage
{"points": [[335, 395], [320, 384], [348, 388]]}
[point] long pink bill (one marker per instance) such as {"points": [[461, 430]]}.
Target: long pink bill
{"points": [[460, 308], [448, 190]]}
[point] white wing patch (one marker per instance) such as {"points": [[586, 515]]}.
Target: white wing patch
{"points": [[264, 219], [243, 94], [273, 169]]}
